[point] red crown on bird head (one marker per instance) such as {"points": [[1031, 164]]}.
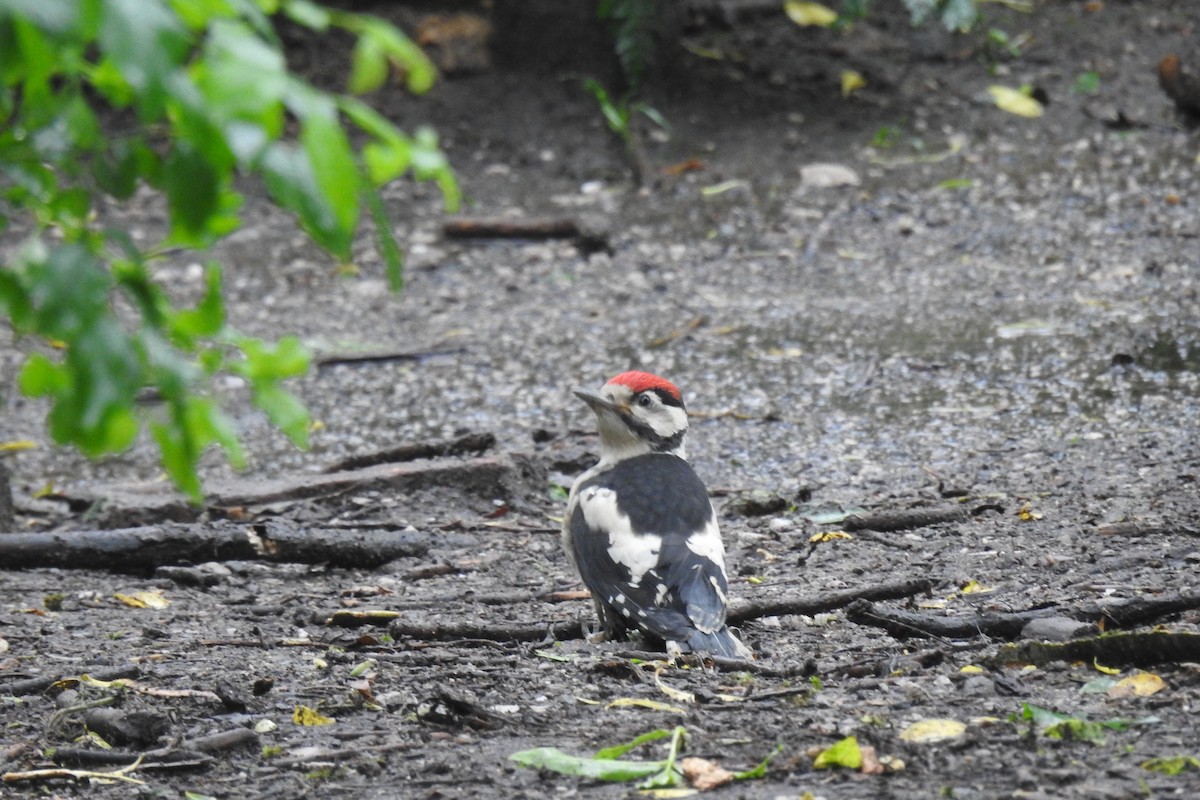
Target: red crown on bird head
{"points": [[642, 381]]}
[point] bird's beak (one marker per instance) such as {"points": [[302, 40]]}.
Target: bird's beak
{"points": [[598, 403]]}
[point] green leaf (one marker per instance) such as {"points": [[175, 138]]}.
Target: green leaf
{"points": [[845, 753], [616, 751], [760, 769], [146, 42], [193, 189], [369, 66], [336, 175], [602, 769], [210, 424], [285, 411], [208, 317], [1172, 765], [178, 458], [291, 181], [117, 169], [419, 72], [310, 15], [40, 376], [243, 78], [393, 259]]}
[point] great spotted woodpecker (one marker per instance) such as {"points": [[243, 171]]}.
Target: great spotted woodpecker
{"points": [[640, 528]]}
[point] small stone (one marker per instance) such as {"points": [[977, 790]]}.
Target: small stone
{"points": [[1056, 629]]}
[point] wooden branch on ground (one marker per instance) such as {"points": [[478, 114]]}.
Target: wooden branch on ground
{"points": [[1114, 650], [1008, 625], [905, 519], [533, 228], [41, 683], [138, 549], [383, 357], [470, 444], [492, 631], [130, 505], [829, 602], [905, 624], [189, 754], [510, 228]]}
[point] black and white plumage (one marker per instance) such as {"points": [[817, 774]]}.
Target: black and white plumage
{"points": [[640, 528]]}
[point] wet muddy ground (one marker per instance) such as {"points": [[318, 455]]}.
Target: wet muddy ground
{"points": [[999, 317]]}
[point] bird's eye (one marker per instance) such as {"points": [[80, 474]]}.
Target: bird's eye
{"points": [[644, 401]]}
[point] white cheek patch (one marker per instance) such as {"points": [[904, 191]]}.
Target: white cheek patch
{"points": [[637, 552], [706, 543], [666, 421]]}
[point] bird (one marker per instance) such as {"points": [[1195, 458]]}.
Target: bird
{"points": [[640, 529]]}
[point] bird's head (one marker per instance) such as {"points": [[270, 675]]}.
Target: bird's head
{"points": [[638, 413]]}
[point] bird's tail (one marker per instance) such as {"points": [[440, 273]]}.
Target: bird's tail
{"points": [[718, 643]]}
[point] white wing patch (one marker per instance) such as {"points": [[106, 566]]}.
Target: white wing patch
{"points": [[706, 543], [637, 552]]}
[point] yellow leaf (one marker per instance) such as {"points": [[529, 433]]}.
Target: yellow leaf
{"points": [[19, 444], [149, 599], [1141, 684], [637, 702], [829, 536], [99, 684], [974, 587], [971, 669], [678, 695], [1106, 670], [933, 730], [845, 753], [1015, 101], [851, 82], [805, 13], [303, 715], [1027, 515]]}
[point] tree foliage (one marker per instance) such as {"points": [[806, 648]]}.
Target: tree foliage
{"points": [[101, 97]]}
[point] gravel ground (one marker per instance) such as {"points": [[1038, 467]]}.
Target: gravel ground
{"points": [[999, 314]]}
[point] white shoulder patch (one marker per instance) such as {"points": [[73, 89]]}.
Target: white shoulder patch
{"points": [[638, 552], [706, 543]]}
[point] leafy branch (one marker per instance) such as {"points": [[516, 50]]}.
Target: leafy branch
{"points": [[203, 96]]}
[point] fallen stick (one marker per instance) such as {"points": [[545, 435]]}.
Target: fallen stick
{"points": [[470, 444], [904, 624], [162, 759], [139, 549], [508, 228], [383, 357], [504, 632], [1113, 650], [1008, 625], [130, 505], [121, 774], [40, 684], [829, 602], [535, 228], [906, 519]]}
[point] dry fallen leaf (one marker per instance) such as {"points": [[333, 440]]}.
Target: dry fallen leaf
{"points": [[704, 774], [153, 598], [303, 715], [1015, 101], [851, 82], [926, 731], [1141, 684], [805, 13]]}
